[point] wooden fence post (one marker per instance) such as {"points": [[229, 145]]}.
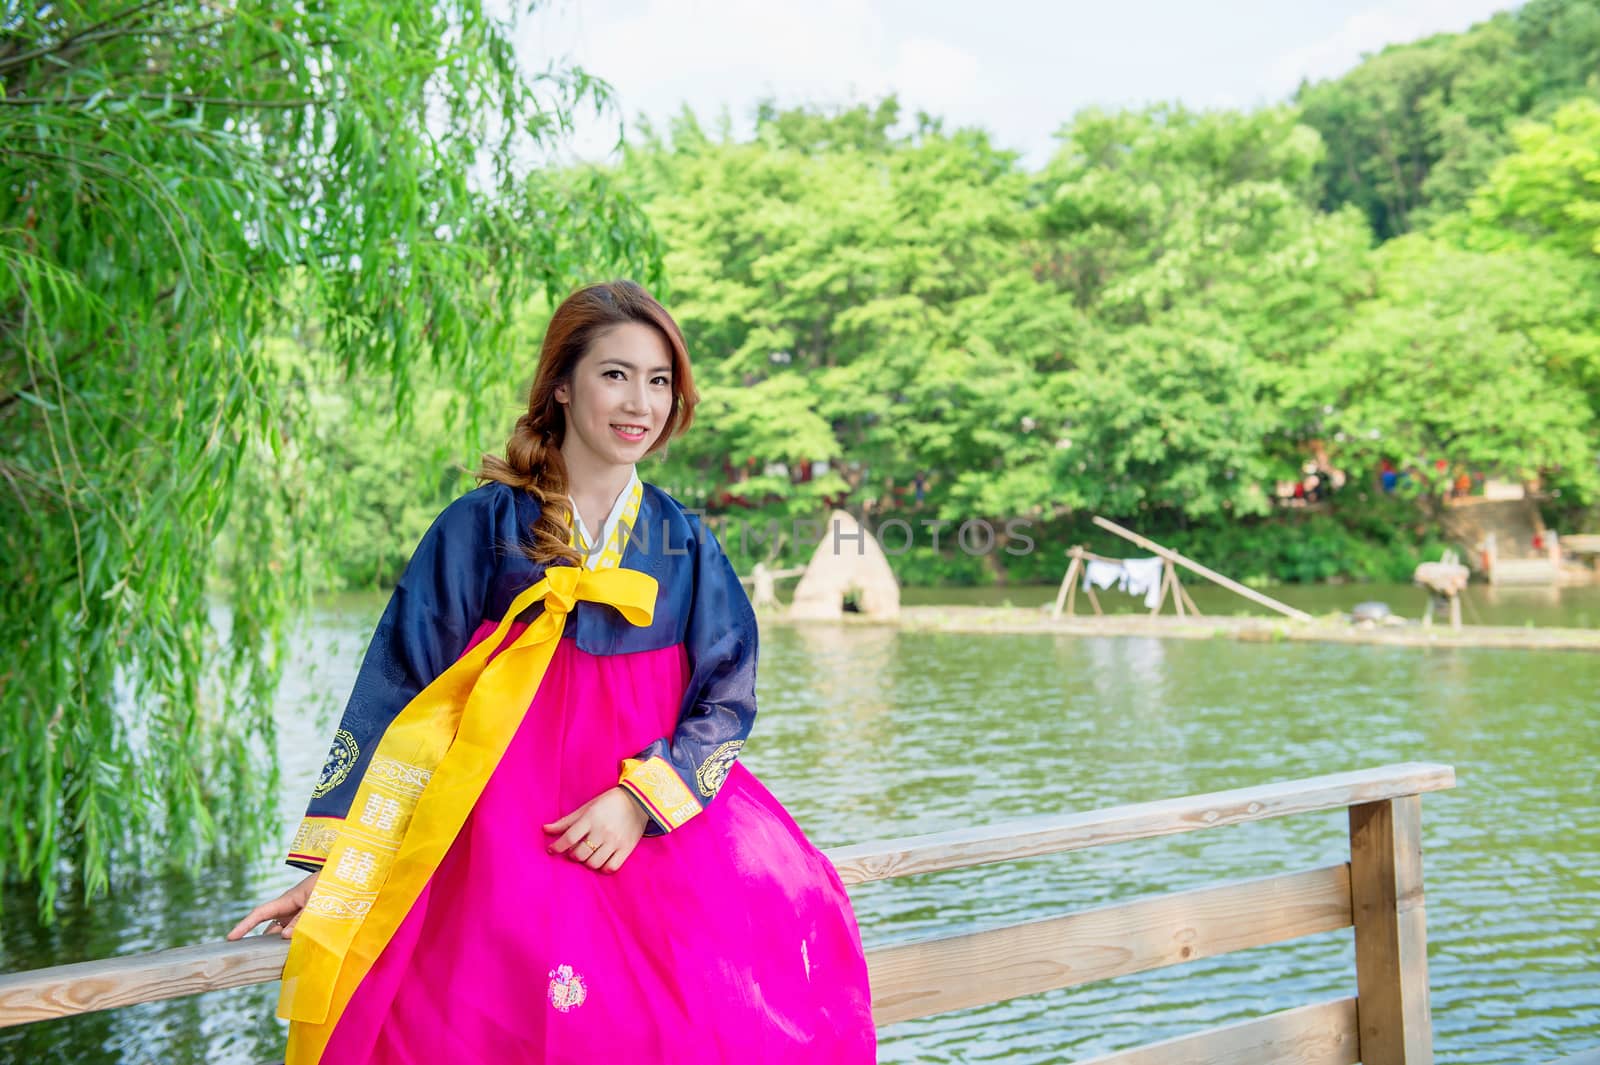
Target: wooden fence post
{"points": [[1386, 904]]}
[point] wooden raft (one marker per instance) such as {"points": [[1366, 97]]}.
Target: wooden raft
{"points": [[1378, 892]]}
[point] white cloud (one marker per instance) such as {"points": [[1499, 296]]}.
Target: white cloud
{"points": [[716, 54], [935, 77], [1017, 67]]}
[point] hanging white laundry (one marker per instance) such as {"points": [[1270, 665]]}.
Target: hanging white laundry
{"points": [[1142, 576], [1101, 574]]}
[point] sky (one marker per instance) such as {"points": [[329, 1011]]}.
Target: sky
{"points": [[1018, 69]]}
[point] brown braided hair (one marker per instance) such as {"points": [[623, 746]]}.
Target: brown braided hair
{"points": [[533, 454]]}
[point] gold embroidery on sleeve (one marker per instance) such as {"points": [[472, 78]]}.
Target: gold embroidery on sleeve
{"points": [[714, 770], [342, 758]]}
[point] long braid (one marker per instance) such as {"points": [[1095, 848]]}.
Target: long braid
{"points": [[533, 462]]}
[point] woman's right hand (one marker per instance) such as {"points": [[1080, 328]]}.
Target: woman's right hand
{"points": [[283, 912]]}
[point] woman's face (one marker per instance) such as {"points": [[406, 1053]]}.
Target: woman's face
{"points": [[618, 397]]}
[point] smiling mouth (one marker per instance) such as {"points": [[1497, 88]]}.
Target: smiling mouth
{"points": [[629, 432]]}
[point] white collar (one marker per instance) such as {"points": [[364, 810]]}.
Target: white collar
{"points": [[597, 544]]}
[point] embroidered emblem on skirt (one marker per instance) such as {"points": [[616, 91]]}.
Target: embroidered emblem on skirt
{"points": [[341, 759], [567, 989]]}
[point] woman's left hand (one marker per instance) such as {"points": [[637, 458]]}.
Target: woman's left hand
{"points": [[602, 832]]}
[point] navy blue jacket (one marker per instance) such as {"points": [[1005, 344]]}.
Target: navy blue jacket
{"points": [[468, 568]]}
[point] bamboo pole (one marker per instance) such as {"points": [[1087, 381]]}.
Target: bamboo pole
{"points": [[1090, 556], [1166, 585], [1209, 574], [1064, 594], [1188, 599], [1080, 562]]}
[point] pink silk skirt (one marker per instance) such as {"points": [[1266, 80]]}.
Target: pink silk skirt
{"points": [[730, 939]]}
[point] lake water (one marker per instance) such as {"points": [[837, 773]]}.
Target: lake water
{"points": [[868, 732]]}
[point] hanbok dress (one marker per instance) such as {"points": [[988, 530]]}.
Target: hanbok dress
{"points": [[498, 695]]}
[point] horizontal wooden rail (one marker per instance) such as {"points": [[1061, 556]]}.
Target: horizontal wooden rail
{"points": [[1049, 834], [1139, 934], [83, 987], [1320, 1034], [938, 975]]}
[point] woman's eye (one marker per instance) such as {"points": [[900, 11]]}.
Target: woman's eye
{"points": [[614, 373], [662, 382]]}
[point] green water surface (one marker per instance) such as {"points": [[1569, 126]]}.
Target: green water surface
{"points": [[868, 732]]}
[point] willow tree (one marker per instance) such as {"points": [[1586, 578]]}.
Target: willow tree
{"points": [[178, 181]]}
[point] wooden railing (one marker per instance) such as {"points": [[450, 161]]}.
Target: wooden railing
{"points": [[1378, 892]]}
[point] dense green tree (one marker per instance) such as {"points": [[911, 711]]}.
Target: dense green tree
{"points": [[1477, 361], [1158, 325], [820, 270], [1413, 130], [1193, 242], [177, 182], [1547, 191]]}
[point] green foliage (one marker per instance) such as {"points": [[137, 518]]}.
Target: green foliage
{"points": [[1548, 190], [1157, 326], [177, 182], [1048, 341], [1477, 360], [1206, 277], [824, 271], [1316, 546], [1166, 416], [1413, 131]]}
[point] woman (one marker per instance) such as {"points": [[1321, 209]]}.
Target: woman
{"points": [[532, 840]]}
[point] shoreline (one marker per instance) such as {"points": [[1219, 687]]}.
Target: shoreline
{"points": [[1033, 620]]}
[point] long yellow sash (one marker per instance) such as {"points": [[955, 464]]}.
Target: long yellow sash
{"points": [[426, 774]]}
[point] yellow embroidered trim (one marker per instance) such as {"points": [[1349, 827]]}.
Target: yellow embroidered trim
{"points": [[426, 774], [662, 791], [714, 770], [611, 557], [314, 839]]}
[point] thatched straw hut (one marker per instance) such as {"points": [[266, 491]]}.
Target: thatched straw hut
{"points": [[847, 564]]}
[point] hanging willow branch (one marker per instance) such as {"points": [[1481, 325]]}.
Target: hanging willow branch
{"points": [[177, 182]]}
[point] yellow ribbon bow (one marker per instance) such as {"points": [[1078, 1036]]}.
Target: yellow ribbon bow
{"points": [[428, 770]]}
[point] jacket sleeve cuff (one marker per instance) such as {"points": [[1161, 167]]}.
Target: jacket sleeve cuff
{"points": [[313, 842], [659, 789]]}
